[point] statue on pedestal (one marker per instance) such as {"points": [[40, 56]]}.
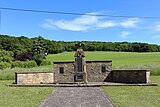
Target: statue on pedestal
{"points": [[80, 65], [79, 51]]}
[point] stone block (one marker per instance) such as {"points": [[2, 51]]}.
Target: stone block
{"points": [[129, 76], [34, 77]]}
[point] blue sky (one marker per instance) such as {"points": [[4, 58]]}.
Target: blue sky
{"points": [[82, 27]]}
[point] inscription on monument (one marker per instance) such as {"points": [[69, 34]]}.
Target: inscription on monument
{"points": [[79, 64]]}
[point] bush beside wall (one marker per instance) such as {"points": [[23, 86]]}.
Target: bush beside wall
{"points": [[4, 65], [23, 64], [45, 62]]}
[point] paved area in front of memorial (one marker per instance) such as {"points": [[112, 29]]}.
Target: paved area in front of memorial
{"points": [[77, 97]]}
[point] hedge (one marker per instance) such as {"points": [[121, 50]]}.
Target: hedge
{"points": [[24, 64], [4, 65], [45, 62], [29, 64], [5, 59], [6, 53]]}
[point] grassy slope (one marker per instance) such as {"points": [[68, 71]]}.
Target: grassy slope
{"points": [[118, 58], [135, 96], [22, 96]]}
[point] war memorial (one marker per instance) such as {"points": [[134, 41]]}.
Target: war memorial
{"points": [[84, 72]]}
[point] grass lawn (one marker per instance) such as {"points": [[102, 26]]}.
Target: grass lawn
{"points": [[118, 58], [135, 96], [9, 74], [22, 96]]}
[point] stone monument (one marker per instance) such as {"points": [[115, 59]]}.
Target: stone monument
{"points": [[80, 64]]}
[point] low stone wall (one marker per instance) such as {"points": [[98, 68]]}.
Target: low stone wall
{"points": [[34, 77], [129, 76], [68, 74], [94, 70]]}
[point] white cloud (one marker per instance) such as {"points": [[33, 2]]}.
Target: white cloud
{"points": [[106, 24], [130, 23], [83, 23], [67, 25], [157, 26], [88, 22], [156, 37], [124, 34], [48, 24]]}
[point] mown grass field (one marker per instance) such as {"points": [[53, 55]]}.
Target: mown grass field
{"points": [[122, 96], [118, 58]]}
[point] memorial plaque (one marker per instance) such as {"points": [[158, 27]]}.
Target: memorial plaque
{"points": [[79, 77], [79, 64]]}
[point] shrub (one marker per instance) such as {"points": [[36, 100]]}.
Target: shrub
{"points": [[17, 64], [7, 59], [6, 56], [4, 65], [38, 58], [24, 56], [6, 53], [29, 64], [24, 64], [1, 59], [45, 62]]}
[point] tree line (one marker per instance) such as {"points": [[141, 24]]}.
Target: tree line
{"points": [[23, 44]]}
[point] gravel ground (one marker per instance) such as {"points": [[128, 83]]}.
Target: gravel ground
{"points": [[77, 97]]}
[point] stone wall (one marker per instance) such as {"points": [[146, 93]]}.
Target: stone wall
{"points": [[97, 71], [34, 77], [94, 70], [96, 74], [129, 76], [68, 75]]}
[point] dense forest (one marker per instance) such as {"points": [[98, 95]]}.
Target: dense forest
{"points": [[23, 44]]}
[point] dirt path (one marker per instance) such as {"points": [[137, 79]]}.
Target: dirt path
{"points": [[77, 97]]}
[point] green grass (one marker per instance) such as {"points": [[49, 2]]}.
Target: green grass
{"points": [[118, 58], [9, 74], [154, 68], [22, 96], [135, 96], [122, 96]]}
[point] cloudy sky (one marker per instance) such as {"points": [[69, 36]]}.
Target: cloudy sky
{"points": [[89, 26]]}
